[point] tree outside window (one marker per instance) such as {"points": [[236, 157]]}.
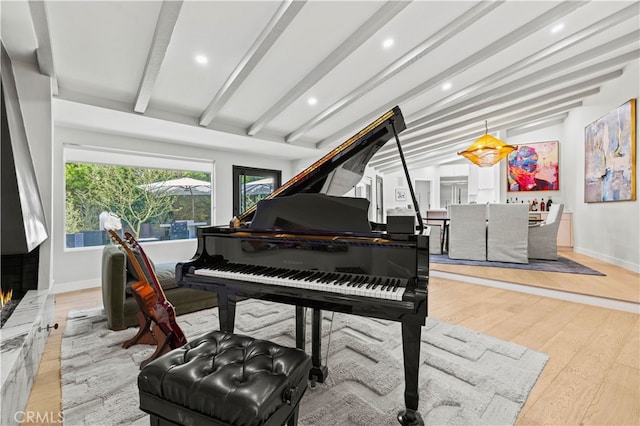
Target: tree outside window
{"points": [[137, 197]]}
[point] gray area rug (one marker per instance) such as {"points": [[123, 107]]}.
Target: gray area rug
{"points": [[466, 378], [561, 265]]}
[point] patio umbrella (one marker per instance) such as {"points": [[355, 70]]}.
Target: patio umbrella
{"points": [[180, 186], [262, 186]]}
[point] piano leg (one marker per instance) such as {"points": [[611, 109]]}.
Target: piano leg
{"points": [[318, 371], [227, 311], [411, 352], [301, 327]]}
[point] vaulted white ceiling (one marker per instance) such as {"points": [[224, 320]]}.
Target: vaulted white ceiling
{"points": [[136, 61]]}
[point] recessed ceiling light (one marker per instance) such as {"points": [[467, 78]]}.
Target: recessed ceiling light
{"points": [[387, 43], [312, 101], [446, 86], [201, 59], [557, 28]]}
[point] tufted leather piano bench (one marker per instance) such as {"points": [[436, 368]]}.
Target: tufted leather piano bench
{"points": [[225, 379]]}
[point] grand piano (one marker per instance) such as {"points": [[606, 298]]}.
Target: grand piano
{"points": [[309, 246]]}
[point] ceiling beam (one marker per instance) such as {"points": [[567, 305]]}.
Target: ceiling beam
{"points": [[541, 55], [445, 33], [577, 60], [523, 101], [165, 26], [382, 16], [438, 156], [542, 124], [464, 138], [420, 140], [448, 154], [465, 135], [44, 53], [510, 39], [509, 97], [267, 38], [415, 143]]}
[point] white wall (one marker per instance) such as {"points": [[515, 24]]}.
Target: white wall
{"points": [[80, 268], [398, 180], [607, 231]]}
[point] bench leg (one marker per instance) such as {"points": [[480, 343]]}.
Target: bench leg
{"points": [[293, 420], [226, 311], [159, 421]]}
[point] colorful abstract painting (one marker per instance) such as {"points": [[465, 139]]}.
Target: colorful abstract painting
{"points": [[533, 167], [610, 156]]}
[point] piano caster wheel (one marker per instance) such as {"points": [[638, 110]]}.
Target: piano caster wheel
{"points": [[410, 418]]}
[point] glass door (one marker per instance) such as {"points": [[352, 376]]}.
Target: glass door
{"points": [[252, 185]]}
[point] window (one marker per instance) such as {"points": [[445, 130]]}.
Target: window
{"points": [[252, 185], [152, 204]]}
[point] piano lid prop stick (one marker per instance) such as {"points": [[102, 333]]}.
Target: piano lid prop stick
{"points": [[406, 174]]}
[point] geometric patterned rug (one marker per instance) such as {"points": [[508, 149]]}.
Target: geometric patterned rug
{"points": [[563, 264], [465, 377]]}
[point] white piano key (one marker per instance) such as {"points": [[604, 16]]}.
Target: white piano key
{"points": [[337, 284]]}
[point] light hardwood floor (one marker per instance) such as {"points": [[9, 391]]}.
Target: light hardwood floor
{"points": [[593, 373], [617, 284]]}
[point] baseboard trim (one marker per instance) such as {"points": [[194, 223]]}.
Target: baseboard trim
{"points": [[75, 286], [633, 267]]}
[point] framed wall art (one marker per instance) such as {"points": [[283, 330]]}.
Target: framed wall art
{"points": [[400, 194], [610, 156], [533, 167]]}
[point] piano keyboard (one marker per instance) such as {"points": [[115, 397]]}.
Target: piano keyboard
{"points": [[335, 282]]}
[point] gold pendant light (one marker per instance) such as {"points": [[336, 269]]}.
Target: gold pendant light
{"points": [[487, 150]]}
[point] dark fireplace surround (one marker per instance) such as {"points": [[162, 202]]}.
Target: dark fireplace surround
{"points": [[20, 272]]}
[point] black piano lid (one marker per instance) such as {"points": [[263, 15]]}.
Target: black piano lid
{"points": [[342, 168]]}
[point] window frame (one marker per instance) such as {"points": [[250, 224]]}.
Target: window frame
{"points": [[239, 171], [132, 159]]}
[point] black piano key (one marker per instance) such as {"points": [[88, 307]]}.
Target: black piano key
{"points": [[302, 275], [292, 273], [284, 273], [373, 282], [392, 286], [382, 284], [253, 270], [279, 271], [298, 276], [397, 284], [327, 278], [341, 279], [313, 276], [269, 271], [344, 279], [336, 277], [366, 280]]}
